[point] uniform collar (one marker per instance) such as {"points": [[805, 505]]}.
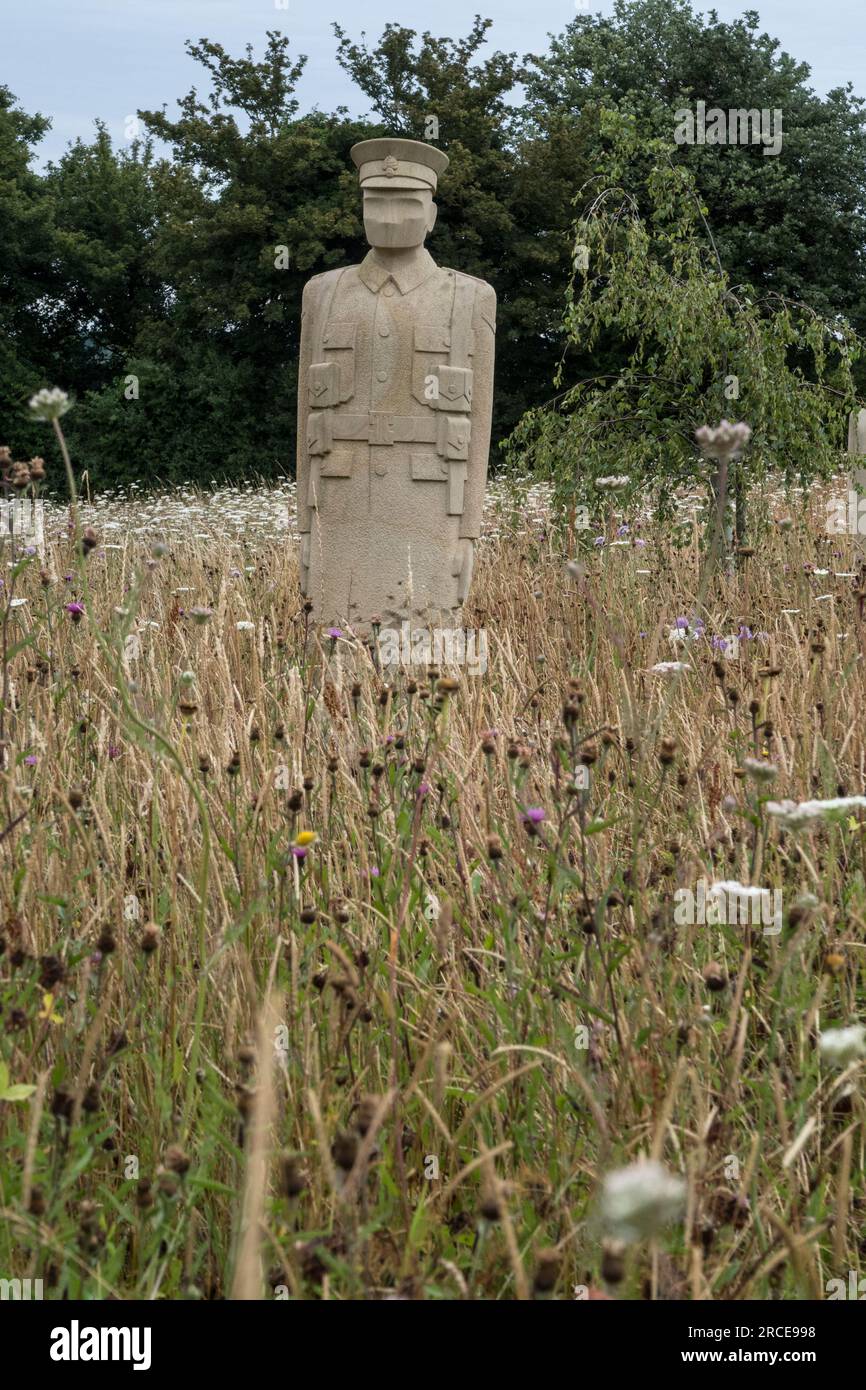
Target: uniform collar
{"points": [[374, 274]]}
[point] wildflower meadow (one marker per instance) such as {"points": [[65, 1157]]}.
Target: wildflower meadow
{"points": [[519, 961]]}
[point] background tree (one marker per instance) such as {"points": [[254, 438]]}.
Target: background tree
{"points": [[692, 349], [794, 223], [27, 274], [184, 271]]}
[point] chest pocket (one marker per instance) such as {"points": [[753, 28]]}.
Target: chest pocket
{"points": [[432, 349], [332, 380]]}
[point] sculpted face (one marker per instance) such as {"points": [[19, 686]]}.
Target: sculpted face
{"points": [[398, 217]]}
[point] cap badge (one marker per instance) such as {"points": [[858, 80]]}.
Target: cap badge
{"points": [[390, 166]]}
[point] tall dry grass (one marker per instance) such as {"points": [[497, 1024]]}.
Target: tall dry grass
{"points": [[481, 1013]]}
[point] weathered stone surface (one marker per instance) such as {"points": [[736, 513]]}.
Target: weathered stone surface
{"points": [[857, 432], [395, 395], [857, 449]]}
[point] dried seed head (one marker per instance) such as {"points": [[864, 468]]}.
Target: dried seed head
{"points": [[489, 1208], [292, 1180], [714, 977], [91, 1100], [546, 1271], [667, 751], [107, 942], [344, 1151], [367, 1107], [613, 1261], [176, 1160], [150, 938], [144, 1194], [167, 1182]]}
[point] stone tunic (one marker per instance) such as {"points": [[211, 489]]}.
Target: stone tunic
{"points": [[394, 403]]}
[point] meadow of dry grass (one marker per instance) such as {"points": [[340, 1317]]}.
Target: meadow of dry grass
{"points": [[399, 1058]]}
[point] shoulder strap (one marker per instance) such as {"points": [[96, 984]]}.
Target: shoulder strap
{"points": [[462, 306], [322, 314]]}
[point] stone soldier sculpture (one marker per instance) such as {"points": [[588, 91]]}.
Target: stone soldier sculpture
{"points": [[395, 390]]}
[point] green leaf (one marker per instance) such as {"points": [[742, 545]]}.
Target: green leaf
{"points": [[17, 1092]]}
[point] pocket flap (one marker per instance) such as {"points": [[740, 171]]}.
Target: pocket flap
{"points": [[429, 339], [455, 387], [427, 468], [336, 465], [339, 335], [323, 384], [454, 435]]}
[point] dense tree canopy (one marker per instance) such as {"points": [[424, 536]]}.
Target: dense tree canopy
{"points": [[163, 288]]}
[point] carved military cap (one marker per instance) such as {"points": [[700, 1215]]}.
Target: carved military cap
{"points": [[394, 163]]}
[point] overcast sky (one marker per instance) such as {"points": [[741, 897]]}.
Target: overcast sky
{"points": [[74, 60]]}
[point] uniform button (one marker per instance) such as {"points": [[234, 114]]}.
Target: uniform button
{"points": [[380, 470], [384, 332], [326, 338], [381, 376], [389, 289]]}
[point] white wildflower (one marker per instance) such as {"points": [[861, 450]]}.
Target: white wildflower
{"points": [[612, 482], [793, 815], [839, 1046], [759, 769], [639, 1200], [50, 404], [727, 441]]}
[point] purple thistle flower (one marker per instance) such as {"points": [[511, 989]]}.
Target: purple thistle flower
{"points": [[534, 814]]}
